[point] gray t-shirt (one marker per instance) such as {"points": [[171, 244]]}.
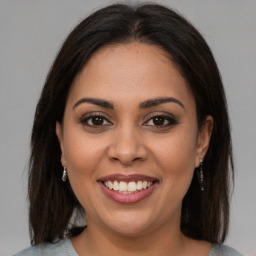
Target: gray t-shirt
{"points": [[65, 248]]}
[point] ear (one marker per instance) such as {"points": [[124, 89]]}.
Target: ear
{"points": [[203, 139], [59, 133]]}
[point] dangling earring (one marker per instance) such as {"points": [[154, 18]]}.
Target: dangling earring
{"points": [[65, 174], [200, 174]]}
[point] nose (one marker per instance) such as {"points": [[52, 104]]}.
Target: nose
{"points": [[127, 147]]}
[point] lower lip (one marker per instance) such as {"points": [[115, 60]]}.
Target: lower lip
{"points": [[131, 198]]}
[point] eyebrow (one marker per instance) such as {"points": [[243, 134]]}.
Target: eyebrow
{"points": [[98, 102], [157, 101], [145, 104]]}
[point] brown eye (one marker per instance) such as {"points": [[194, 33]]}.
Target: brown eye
{"points": [[161, 121], [158, 120], [95, 121]]}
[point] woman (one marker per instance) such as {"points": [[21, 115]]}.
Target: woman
{"points": [[132, 131]]}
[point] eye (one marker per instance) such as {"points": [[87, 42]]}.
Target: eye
{"points": [[160, 121], [95, 121]]}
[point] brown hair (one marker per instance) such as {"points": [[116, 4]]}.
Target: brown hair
{"points": [[205, 215]]}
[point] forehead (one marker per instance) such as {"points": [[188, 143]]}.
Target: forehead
{"points": [[134, 71]]}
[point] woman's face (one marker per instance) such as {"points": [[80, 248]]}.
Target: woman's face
{"points": [[130, 139]]}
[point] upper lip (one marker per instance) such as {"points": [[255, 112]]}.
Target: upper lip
{"points": [[127, 178]]}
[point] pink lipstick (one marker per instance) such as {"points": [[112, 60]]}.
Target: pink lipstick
{"points": [[128, 189]]}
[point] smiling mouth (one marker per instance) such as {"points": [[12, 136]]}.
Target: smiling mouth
{"points": [[124, 187], [128, 189]]}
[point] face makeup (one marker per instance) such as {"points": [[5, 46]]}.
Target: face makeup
{"points": [[130, 139], [127, 189]]}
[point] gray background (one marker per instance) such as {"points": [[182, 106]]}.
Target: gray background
{"points": [[30, 34]]}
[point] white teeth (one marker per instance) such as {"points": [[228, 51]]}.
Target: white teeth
{"points": [[144, 184], [131, 187], [139, 185], [116, 185], [123, 186], [110, 185]]}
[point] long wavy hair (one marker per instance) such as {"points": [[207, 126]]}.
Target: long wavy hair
{"points": [[205, 215]]}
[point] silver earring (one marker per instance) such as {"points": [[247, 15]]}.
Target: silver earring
{"points": [[65, 174], [200, 174]]}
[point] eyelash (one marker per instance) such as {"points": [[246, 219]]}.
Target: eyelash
{"points": [[86, 119], [168, 120]]}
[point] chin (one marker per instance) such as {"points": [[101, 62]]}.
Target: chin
{"points": [[131, 230], [130, 223]]}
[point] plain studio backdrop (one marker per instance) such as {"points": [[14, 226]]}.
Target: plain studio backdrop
{"points": [[31, 33]]}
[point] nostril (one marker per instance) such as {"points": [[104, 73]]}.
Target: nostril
{"points": [[127, 147], [125, 158], [135, 159]]}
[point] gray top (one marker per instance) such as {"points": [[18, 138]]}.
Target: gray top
{"points": [[65, 248]]}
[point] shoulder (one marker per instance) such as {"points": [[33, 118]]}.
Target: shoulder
{"points": [[63, 247], [223, 250]]}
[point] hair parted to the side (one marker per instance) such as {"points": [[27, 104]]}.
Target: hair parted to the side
{"points": [[205, 215]]}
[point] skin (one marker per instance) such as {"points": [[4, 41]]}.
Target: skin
{"points": [[128, 141]]}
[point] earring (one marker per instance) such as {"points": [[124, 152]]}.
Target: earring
{"points": [[65, 174], [200, 174]]}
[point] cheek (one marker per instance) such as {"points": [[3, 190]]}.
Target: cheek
{"points": [[82, 154], [176, 157]]}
